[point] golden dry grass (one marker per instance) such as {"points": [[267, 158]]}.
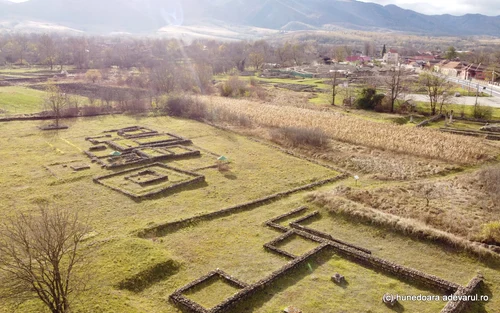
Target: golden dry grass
{"points": [[413, 228], [420, 142], [459, 205]]}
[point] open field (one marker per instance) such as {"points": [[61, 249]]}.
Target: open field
{"points": [[34, 174], [30, 69], [20, 100], [23, 100], [148, 241]]}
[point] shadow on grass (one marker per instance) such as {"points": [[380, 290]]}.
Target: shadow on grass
{"points": [[170, 192], [398, 307], [150, 276], [480, 306], [311, 220], [344, 284], [260, 298], [230, 176]]}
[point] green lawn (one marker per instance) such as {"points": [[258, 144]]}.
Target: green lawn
{"points": [[32, 69], [458, 109], [21, 100]]}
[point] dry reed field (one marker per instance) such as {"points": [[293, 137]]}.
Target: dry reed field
{"points": [[375, 163], [339, 206], [457, 206], [419, 142]]}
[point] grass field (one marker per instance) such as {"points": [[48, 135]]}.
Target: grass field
{"points": [[33, 69], [20, 100], [23, 100], [136, 275], [33, 173], [468, 110]]}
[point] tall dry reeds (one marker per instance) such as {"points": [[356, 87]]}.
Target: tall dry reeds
{"points": [[357, 212], [400, 139]]}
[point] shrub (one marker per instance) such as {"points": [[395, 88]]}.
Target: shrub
{"points": [[137, 106], [233, 87], [491, 233], [489, 178], [90, 110], [297, 136], [483, 112], [184, 106], [70, 112], [175, 105], [254, 81], [368, 99]]}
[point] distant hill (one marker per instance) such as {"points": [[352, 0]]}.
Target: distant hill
{"points": [[146, 16]]}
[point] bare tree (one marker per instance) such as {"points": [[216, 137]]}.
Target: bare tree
{"points": [[47, 50], [368, 48], [93, 75], [333, 76], [438, 90], [346, 92], [395, 82], [284, 53], [163, 78], [340, 54], [23, 46], [256, 59], [40, 257], [55, 102], [428, 192]]}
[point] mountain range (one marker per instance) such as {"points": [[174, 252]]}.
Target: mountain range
{"points": [[148, 16]]}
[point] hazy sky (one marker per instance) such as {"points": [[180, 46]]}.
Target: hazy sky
{"points": [[455, 7]]}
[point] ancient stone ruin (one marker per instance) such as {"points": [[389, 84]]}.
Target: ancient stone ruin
{"points": [[338, 279], [326, 242], [141, 150]]}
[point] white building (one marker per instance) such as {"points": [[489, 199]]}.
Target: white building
{"points": [[391, 58]]}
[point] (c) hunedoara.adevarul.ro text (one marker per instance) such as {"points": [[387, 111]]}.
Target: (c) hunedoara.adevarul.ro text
{"points": [[428, 298]]}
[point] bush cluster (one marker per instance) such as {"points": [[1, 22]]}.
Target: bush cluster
{"points": [[483, 112], [491, 233], [236, 88], [368, 99], [297, 136], [185, 106]]}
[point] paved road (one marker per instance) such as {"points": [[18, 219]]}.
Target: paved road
{"points": [[490, 101], [473, 86]]}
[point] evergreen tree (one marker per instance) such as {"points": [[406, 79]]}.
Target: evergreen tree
{"points": [[451, 53], [384, 51]]}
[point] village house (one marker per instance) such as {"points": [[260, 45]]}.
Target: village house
{"points": [[391, 57], [358, 58], [452, 68], [476, 71]]}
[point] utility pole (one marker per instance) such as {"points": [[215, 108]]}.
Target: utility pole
{"points": [[492, 81], [334, 84], [477, 95]]}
